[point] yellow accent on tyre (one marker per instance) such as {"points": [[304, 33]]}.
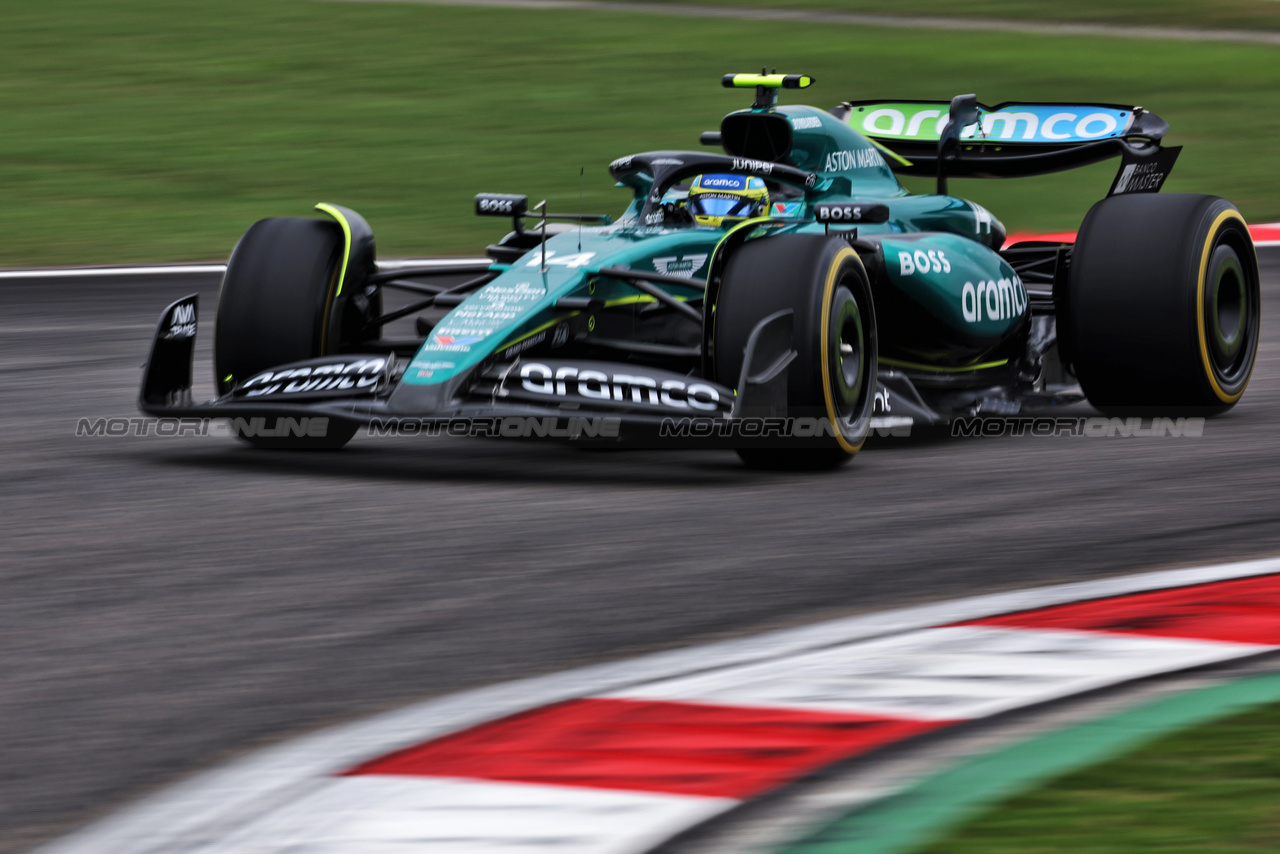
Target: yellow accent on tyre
{"points": [[1205, 361], [828, 291], [346, 240]]}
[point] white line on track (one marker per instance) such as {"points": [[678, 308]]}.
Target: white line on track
{"points": [[109, 272], [212, 806], [200, 269]]}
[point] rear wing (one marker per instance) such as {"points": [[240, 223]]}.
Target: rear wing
{"points": [[965, 139]]}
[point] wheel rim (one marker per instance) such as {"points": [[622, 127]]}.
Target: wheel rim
{"points": [[1229, 309], [1231, 304], [849, 356]]}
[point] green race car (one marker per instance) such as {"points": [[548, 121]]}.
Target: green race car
{"points": [[786, 298]]}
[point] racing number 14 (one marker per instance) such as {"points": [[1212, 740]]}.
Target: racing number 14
{"points": [[573, 262]]}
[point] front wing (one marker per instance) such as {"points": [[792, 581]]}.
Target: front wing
{"points": [[588, 401]]}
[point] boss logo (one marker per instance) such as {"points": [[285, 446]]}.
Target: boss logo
{"points": [[501, 204], [932, 261], [849, 212]]}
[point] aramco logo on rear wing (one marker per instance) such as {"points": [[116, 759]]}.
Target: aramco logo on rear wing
{"points": [[1016, 123]]}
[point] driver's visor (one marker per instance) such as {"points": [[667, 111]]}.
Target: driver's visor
{"points": [[708, 205]]}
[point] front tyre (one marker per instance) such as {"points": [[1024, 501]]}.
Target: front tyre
{"points": [[1163, 304], [833, 377], [276, 306]]}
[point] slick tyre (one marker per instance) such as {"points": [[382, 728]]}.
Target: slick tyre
{"points": [[275, 307], [833, 377], [1163, 305]]}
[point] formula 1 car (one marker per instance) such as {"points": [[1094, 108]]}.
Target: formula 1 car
{"points": [[784, 298]]}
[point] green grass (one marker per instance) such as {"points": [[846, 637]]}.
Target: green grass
{"points": [[137, 131], [1189, 14], [1213, 788]]}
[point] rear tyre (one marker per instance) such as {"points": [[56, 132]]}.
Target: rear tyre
{"points": [[276, 305], [833, 378], [1163, 305]]}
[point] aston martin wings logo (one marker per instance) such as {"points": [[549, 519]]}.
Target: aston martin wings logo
{"points": [[682, 266]]}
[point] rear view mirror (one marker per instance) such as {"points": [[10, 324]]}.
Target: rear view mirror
{"points": [[964, 112]]}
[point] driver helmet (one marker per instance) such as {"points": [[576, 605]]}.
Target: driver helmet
{"points": [[716, 198]]}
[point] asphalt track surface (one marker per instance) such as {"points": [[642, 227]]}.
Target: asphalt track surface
{"points": [[171, 602]]}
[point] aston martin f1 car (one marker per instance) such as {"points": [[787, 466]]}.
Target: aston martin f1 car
{"points": [[784, 297]]}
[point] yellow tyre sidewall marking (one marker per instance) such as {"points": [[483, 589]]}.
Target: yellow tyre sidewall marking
{"points": [[1200, 319], [828, 295], [334, 289], [346, 239]]}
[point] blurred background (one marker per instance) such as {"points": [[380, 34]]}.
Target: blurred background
{"points": [[169, 604], [145, 131]]}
